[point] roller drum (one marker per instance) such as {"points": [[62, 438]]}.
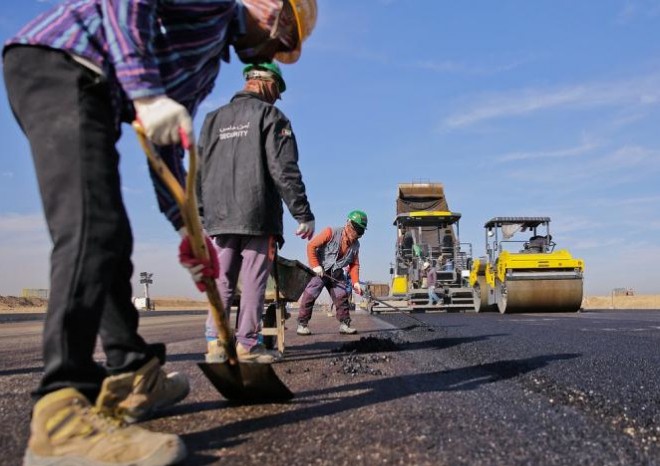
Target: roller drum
{"points": [[539, 296], [480, 294]]}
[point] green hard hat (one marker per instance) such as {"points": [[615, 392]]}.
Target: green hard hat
{"points": [[267, 66], [358, 217]]}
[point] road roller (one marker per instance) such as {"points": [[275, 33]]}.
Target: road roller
{"points": [[525, 275]]}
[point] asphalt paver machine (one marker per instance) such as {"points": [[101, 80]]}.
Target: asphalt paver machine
{"points": [[427, 231], [525, 275]]}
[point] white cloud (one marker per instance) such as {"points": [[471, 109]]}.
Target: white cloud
{"points": [[630, 93], [566, 224], [595, 243], [635, 201], [584, 148], [449, 66], [631, 156], [627, 164], [628, 118], [636, 9]]}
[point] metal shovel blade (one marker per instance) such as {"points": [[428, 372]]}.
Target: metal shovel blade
{"points": [[246, 382]]}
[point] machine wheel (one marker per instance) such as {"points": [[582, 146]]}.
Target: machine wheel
{"points": [[477, 298], [501, 296], [480, 295], [539, 296]]}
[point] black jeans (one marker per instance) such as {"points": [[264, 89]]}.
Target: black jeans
{"points": [[65, 111]]}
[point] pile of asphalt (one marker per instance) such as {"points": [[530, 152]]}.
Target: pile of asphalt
{"points": [[362, 355], [370, 344]]}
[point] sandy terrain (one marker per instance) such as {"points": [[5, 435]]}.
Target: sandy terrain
{"points": [[15, 304], [622, 302]]}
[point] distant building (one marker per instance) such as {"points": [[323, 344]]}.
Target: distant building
{"points": [[623, 292], [41, 293]]}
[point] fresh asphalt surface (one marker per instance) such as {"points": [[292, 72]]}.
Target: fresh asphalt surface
{"points": [[460, 389]]}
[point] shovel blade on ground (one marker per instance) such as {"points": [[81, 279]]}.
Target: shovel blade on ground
{"points": [[247, 382]]}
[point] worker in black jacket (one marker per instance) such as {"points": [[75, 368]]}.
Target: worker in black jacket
{"points": [[248, 165]]}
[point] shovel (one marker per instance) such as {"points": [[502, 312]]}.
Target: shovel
{"points": [[236, 381], [367, 294]]}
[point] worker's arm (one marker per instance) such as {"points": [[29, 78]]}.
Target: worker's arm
{"points": [[282, 158], [354, 270], [130, 28], [319, 240], [173, 158]]}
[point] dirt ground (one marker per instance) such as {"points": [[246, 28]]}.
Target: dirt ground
{"points": [[168, 304], [15, 304], [622, 302]]}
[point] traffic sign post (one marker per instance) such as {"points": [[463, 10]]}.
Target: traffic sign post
{"points": [[146, 280]]}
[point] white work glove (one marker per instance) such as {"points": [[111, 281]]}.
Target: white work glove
{"points": [[163, 119], [305, 230], [318, 270], [359, 289]]}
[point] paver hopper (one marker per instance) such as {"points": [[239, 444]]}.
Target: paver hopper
{"points": [[525, 275]]}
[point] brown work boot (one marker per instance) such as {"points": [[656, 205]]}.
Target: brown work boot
{"points": [[140, 393], [257, 354], [67, 429], [216, 353]]}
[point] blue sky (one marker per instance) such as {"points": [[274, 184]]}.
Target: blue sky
{"points": [[543, 108]]}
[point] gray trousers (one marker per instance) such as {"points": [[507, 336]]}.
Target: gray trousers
{"points": [[338, 294], [252, 258]]}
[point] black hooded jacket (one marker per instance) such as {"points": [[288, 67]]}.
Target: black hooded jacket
{"points": [[248, 165]]}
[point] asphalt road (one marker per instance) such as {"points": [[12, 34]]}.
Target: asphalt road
{"points": [[454, 389]]}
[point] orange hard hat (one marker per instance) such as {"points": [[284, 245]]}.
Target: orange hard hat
{"points": [[305, 13]]}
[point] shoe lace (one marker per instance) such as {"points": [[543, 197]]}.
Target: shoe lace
{"points": [[152, 382], [107, 419], [91, 421]]}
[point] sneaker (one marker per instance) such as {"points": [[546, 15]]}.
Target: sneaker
{"points": [[149, 389], [346, 328], [67, 429], [216, 352], [303, 330], [257, 354]]}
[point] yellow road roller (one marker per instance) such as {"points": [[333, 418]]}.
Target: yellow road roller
{"points": [[525, 275]]}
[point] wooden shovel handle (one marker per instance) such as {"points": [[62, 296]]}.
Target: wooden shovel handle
{"points": [[187, 202]]}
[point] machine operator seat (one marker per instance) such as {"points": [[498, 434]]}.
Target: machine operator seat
{"points": [[538, 244]]}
